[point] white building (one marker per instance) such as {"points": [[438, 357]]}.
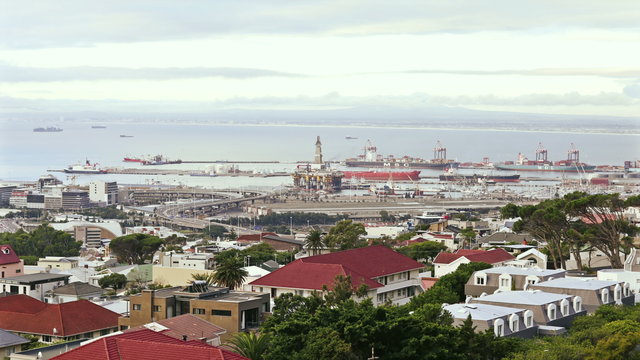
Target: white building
{"points": [[104, 192], [34, 285], [187, 261]]}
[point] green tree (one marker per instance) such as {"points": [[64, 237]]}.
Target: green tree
{"points": [[249, 344], [343, 289], [135, 248], [326, 344], [313, 242], [115, 281], [468, 236], [214, 231], [230, 273], [346, 235], [385, 217], [41, 242], [509, 211], [423, 250], [30, 259]]}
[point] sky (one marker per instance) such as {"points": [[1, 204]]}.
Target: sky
{"points": [[542, 56]]}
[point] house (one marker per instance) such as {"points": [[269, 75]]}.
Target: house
{"points": [[10, 343], [186, 325], [530, 258], [546, 309], [232, 310], [388, 275], [10, 263], [22, 314], [447, 239], [504, 321], [630, 274], [376, 231], [446, 263], [591, 258], [72, 292], [593, 292], [507, 278], [145, 344], [58, 262], [279, 243], [34, 285]]}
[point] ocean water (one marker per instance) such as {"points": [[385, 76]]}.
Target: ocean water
{"points": [[25, 155]]}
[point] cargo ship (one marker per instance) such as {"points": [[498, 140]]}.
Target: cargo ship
{"points": [[98, 127], [132, 159], [160, 160], [371, 158], [571, 164], [383, 175], [86, 168], [477, 178], [47, 129]]}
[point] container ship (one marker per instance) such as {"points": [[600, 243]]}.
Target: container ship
{"points": [[371, 158], [160, 160], [480, 178], [571, 164], [86, 168], [47, 129], [383, 175]]}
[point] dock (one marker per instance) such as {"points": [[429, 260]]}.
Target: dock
{"points": [[156, 171]]}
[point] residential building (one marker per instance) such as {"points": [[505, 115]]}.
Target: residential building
{"points": [[504, 238], [58, 262], [188, 261], [186, 325], [504, 321], [34, 285], [73, 292], [24, 315], [10, 343], [530, 258], [232, 310], [388, 275], [75, 200], [632, 262], [10, 263], [279, 243], [507, 278], [546, 309], [145, 344], [90, 233], [447, 239], [376, 231], [594, 292], [446, 263], [103, 192]]}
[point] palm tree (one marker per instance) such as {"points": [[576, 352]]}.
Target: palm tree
{"points": [[207, 278], [249, 345], [230, 273], [314, 241]]}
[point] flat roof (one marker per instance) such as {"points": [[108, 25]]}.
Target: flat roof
{"points": [[480, 311], [34, 278], [513, 270], [535, 297], [577, 283]]}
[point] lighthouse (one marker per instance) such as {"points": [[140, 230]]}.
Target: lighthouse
{"points": [[318, 157]]}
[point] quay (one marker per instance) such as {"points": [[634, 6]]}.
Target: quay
{"points": [[156, 171]]}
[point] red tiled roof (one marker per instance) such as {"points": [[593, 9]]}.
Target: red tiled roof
{"points": [[490, 257], [22, 313], [190, 325], [362, 264], [10, 258], [147, 345]]}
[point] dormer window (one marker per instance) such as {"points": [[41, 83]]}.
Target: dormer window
{"points": [[577, 304], [6, 251], [604, 296], [564, 307], [480, 278], [551, 311], [617, 293], [498, 327], [514, 323], [528, 318]]}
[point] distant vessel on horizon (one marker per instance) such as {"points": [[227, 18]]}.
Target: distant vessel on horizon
{"points": [[47, 129], [98, 127], [126, 136], [86, 168], [350, 137], [160, 160]]}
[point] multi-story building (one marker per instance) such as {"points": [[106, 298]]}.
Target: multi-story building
{"points": [[188, 261], [47, 180], [104, 192], [18, 198], [504, 321], [388, 275], [34, 285], [90, 233], [507, 278], [35, 201], [10, 263], [58, 262], [232, 310], [5, 194], [75, 200]]}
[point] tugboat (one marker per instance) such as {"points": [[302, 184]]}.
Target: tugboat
{"points": [[86, 168]]}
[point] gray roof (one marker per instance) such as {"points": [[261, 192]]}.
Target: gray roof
{"points": [[535, 297], [512, 270], [479, 311], [40, 277], [79, 289], [282, 239], [576, 283], [9, 339], [506, 237]]}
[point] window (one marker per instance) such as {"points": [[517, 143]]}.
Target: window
{"points": [[551, 311], [498, 327], [137, 307], [627, 291], [514, 323], [528, 318], [604, 296], [104, 332], [87, 335], [17, 271], [157, 308], [300, 292], [197, 311], [481, 278], [46, 338], [577, 304], [221, 312], [564, 307], [505, 282]]}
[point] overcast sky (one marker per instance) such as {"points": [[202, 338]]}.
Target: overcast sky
{"points": [[541, 56]]}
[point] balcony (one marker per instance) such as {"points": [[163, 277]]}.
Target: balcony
{"points": [[398, 285]]}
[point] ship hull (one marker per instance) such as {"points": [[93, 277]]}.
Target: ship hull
{"points": [[69, 171], [383, 175], [401, 165], [495, 178], [555, 168], [132, 160]]}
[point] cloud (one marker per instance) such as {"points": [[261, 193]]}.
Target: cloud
{"points": [[632, 90], [603, 72], [89, 73], [31, 23]]}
